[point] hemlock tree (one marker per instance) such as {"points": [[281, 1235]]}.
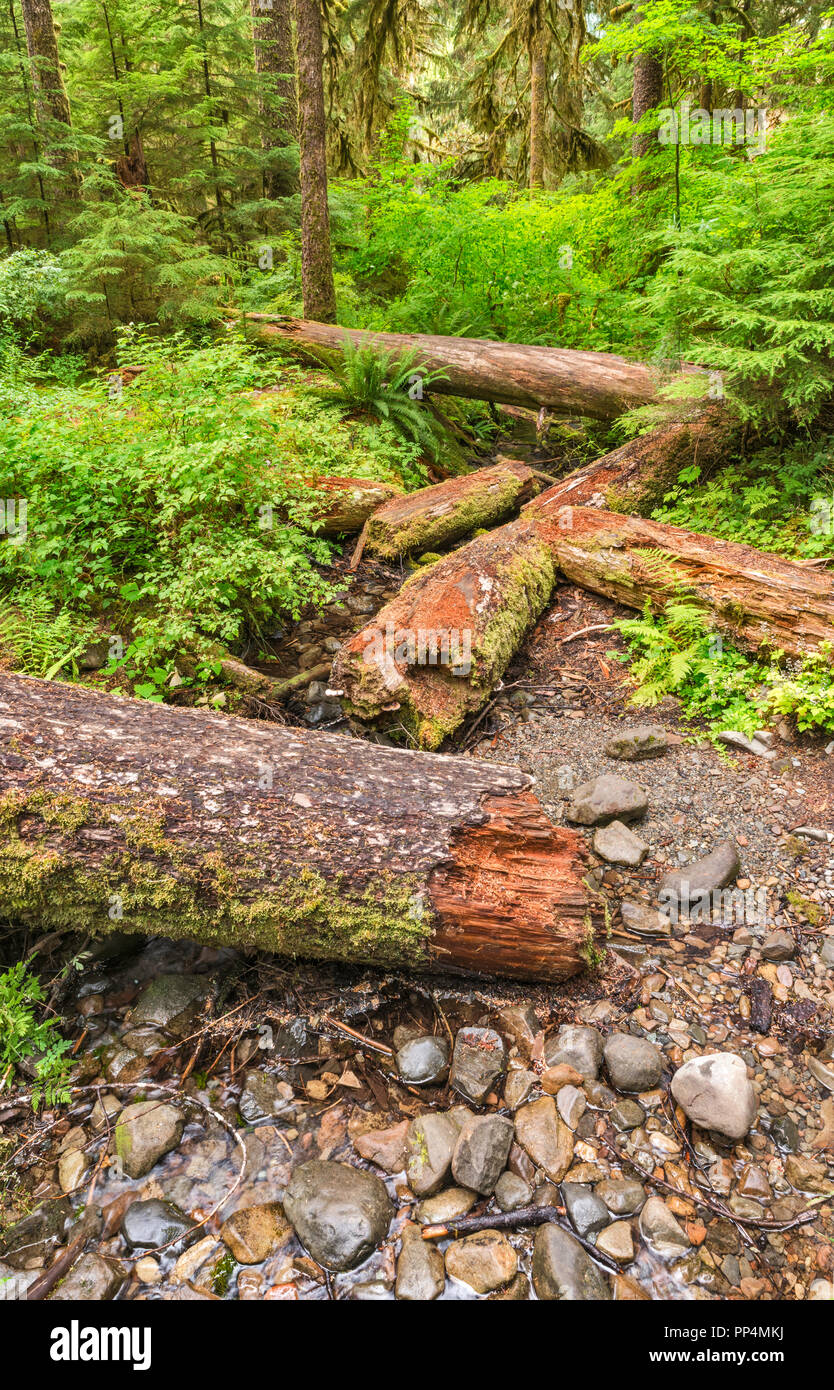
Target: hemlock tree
{"points": [[51, 102], [277, 100], [318, 289]]}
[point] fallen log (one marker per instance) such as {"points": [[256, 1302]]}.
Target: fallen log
{"points": [[344, 504], [757, 599], [433, 654], [119, 814], [436, 515], [633, 478], [598, 384]]}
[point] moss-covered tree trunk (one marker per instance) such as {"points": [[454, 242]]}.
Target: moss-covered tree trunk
{"points": [[123, 814], [538, 104], [277, 99], [51, 102], [432, 656], [434, 516], [318, 289]]}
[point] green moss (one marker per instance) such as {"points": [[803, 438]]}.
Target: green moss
{"points": [[425, 532], [805, 907]]}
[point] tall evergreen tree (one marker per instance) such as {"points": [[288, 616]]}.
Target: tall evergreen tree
{"points": [[317, 283], [277, 99]]}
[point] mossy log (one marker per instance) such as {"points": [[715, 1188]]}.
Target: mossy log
{"points": [[434, 516], [597, 384], [756, 599], [633, 478], [125, 814], [434, 653], [346, 503]]}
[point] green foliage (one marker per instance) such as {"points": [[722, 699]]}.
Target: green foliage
{"points": [[805, 692], [23, 1036], [380, 384]]}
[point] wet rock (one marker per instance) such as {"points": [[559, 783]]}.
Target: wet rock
{"points": [[633, 745], [446, 1206], [571, 1103], [545, 1137], [484, 1260], [715, 1093], [147, 1270], [517, 1291], [421, 1275], [626, 1115], [586, 1213], [73, 1162], [517, 1087], [660, 1229], [617, 1242], [104, 1110], [145, 1132], [91, 1280], [170, 1002], [622, 1197], [31, 1237], [822, 1069], [387, 1148], [753, 1183], [146, 1225], [645, 920], [785, 1133], [193, 1260], [606, 799], [827, 951], [778, 945], [821, 1290], [520, 1025], [562, 1270], [254, 1233], [600, 1097], [554, 1078], [807, 1174], [263, 1097], [579, 1047], [688, 890], [511, 1191], [424, 1061], [339, 1214], [633, 1064], [618, 845], [430, 1142], [478, 1062], [627, 1290], [481, 1152]]}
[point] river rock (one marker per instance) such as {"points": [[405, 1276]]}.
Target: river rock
{"points": [[778, 945], [633, 1064], [421, 1275], [715, 1093], [263, 1097], [606, 799], [387, 1148], [447, 1206], [339, 1214], [170, 1002], [562, 1270], [519, 1023], [578, 1047], [481, 1152], [633, 745], [485, 1260], [618, 845], [586, 1213], [254, 1233], [478, 1062], [91, 1280], [145, 1225], [660, 1229], [517, 1087], [622, 1197], [617, 1242], [545, 1137], [430, 1143], [689, 889], [511, 1191], [645, 920], [424, 1061], [571, 1104], [145, 1132]]}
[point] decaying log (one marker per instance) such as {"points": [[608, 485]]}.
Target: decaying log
{"points": [[434, 516], [757, 599], [346, 503], [597, 384], [633, 478], [125, 814], [433, 654]]}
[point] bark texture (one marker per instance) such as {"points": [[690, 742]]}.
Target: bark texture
{"points": [[51, 101], [634, 477], [318, 289], [346, 503], [434, 516], [538, 101], [647, 93], [757, 599], [277, 99], [597, 384], [431, 656], [122, 814]]}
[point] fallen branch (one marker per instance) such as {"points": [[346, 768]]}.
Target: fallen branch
{"points": [[511, 1221]]}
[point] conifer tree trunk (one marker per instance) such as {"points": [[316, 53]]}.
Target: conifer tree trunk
{"points": [[275, 64], [51, 102], [318, 289], [647, 93], [538, 92]]}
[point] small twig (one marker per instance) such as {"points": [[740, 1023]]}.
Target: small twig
{"points": [[358, 548], [595, 627], [366, 1042], [59, 1267], [510, 1221]]}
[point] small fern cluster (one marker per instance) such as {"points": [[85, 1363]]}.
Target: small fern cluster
{"points": [[37, 639], [371, 382], [23, 1036]]}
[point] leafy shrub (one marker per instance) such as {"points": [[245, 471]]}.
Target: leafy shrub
{"points": [[23, 1036]]}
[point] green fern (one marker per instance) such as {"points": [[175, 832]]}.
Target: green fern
{"points": [[23, 1036], [378, 383], [37, 639]]}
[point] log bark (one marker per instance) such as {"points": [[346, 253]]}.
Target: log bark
{"points": [[120, 814], [597, 384], [634, 477], [757, 599], [434, 516], [431, 656], [346, 503]]}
